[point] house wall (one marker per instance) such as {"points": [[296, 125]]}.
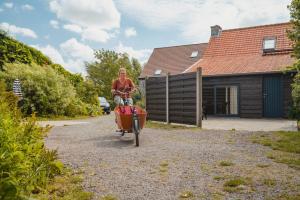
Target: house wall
{"points": [[287, 94], [251, 92]]}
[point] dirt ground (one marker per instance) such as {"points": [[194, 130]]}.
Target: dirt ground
{"points": [[171, 164]]}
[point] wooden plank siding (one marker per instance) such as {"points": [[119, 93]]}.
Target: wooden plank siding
{"points": [[250, 89], [287, 91], [182, 95], [182, 98], [156, 98]]}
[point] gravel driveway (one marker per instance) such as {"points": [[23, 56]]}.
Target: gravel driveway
{"points": [[169, 163]]}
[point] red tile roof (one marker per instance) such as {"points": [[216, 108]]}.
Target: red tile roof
{"points": [[239, 51], [174, 60]]}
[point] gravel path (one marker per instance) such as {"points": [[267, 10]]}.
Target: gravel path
{"points": [[168, 163]]}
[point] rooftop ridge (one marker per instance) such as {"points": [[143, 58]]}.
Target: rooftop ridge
{"points": [[258, 26], [180, 45]]}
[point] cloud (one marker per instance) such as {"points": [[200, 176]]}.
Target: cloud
{"points": [[71, 54], [27, 7], [51, 52], [192, 18], [76, 55], [95, 34], [9, 5], [1, 9], [54, 24], [93, 17], [129, 32], [142, 55], [14, 30], [73, 27], [74, 49]]}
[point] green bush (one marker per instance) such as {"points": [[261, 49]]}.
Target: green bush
{"points": [[25, 165], [46, 92], [15, 51]]}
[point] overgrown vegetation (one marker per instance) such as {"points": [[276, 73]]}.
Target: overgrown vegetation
{"points": [[285, 145], [225, 163], [293, 34], [236, 184], [27, 168], [186, 195], [48, 89]]}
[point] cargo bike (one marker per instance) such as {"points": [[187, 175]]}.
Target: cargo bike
{"points": [[130, 119]]}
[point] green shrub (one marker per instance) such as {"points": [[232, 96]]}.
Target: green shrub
{"points": [[25, 165], [46, 92]]}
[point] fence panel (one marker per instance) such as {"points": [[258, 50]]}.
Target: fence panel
{"points": [[175, 98], [156, 98]]}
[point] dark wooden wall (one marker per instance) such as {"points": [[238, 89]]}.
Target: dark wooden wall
{"points": [[182, 98], [251, 92], [156, 98], [287, 91]]}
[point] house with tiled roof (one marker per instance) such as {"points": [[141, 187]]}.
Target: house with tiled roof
{"points": [[242, 71], [173, 60]]}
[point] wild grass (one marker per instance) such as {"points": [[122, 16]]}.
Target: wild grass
{"points": [[64, 187], [236, 184], [225, 163], [285, 146], [161, 125], [109, 197], [186, 195]]}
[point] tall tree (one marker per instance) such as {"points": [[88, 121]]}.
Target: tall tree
{"points": [[106, 67], [294, 35]]}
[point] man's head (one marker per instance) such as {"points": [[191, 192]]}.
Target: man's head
{"points": [[122, 72]]}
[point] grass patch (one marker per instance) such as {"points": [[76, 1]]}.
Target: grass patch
{"points": [[218, 178], [236, 184], [160, 125], [58, 118], [65, 186], [282, 141], [263, 165], [292, 160], [269, 182], [285, 196], [186, 195], [163, 166], [108, 197], [286, 146], [225, 163]]}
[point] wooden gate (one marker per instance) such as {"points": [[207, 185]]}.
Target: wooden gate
{"points": [[175, 98]]}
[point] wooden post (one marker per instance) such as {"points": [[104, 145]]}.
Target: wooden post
{"points": [[145, 96], [167, 98], [199, 97]]}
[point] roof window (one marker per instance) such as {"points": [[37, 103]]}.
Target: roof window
{"points": [[194, 54], [269, 44], [157, 72]]}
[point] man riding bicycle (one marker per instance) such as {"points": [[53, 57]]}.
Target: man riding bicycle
{"points": [[122, 88]]}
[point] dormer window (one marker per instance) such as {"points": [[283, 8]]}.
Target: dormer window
{"points": [[194, 54], [157, 72], [269, 44]]}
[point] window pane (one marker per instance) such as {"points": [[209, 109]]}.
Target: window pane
{"points": [[269, 44], [233, 100]]}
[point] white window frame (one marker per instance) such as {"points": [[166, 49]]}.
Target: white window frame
{"points": [[194, 54], [157, 72], [269, 39]]}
